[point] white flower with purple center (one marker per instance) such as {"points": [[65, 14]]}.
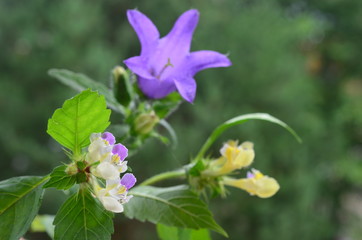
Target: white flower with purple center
{"points": [[110, 156], [166, 65], [116, 192]]}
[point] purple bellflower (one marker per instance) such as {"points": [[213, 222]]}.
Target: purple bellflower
{"points": [[166, 65]]}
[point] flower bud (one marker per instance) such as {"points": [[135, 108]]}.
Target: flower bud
{"points": [[145, 122], [71, 169], [122, 87]]}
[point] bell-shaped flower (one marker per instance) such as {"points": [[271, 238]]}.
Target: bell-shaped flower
{"points": [[116, 192], [166, 65], [256, 184], [233, 157]]}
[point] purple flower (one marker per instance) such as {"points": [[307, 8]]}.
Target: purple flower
{"points": [[166, 65]]}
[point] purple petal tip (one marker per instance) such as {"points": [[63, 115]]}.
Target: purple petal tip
{"points": [[109, 137], [128, 180], [120, 150]]}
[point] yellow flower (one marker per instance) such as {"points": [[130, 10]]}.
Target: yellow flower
{"points": [[256, 184], [233, 157]]}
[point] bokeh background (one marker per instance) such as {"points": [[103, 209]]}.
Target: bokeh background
{"points": [[297, 60]]}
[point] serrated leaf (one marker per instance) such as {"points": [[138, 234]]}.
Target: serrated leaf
{"points": [[60, 179], [80, 82], [82, 217], [80, 116], [239, 120], [20, 199], [172, 206], [166, 233]]}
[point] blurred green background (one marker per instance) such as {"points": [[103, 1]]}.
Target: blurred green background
{"points": [[297, 60]]}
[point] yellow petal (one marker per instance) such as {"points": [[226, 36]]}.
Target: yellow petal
{"points": [[262, 187]]}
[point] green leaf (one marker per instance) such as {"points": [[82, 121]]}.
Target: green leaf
{"points": [[239, 120], [80, 82], [82, 217], [167, 233], [80, 116], [20, 199], [60, 179], [172, 206]]}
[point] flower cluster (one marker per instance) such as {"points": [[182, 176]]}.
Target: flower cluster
{"points": [[109, 159], [234, 157], [110, 156]]}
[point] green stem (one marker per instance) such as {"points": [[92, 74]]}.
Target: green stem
{"points": [[163, 176]]}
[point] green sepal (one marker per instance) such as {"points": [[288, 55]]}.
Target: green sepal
{"points": [[167, 105], [196, 170]]}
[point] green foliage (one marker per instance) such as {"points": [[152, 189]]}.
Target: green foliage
{"points": [[239, 120], [20, 199], [173, 206], [81, 82], [79, 117], [167, 233], [59, 179], [83, 217]]}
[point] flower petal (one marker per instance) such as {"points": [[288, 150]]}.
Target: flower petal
{"points": [[155, 88], [201, 60], [111, 204], [109, 137], [139, 66], [128, 180], [178, 41], [107, 171], [145, 29], [186, 87], [120, 150]]}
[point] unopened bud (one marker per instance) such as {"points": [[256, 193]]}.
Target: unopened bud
{"points": [[118, 72], [145, 122], [122, 87], [71, 169]]}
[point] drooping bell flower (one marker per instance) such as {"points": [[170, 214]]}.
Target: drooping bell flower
{"points": [[166, 64]]}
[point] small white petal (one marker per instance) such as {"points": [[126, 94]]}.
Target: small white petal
{"points": [[94, 136], [111, 204], [122, 167], [107, 171]]}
